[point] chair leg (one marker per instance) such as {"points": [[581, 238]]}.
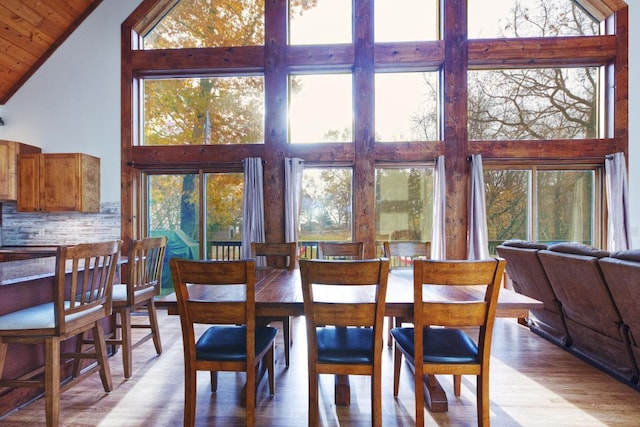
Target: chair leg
{"points": [[457, 381], [313, 399], [190, 396], [153, 322], [482, 392], [101, 357], [52, 381], [419, 393], [269, 359], [250, 395], [397, 364], [125, 322], [391, 322], [214, 381], [286, 328], [376, 396]]}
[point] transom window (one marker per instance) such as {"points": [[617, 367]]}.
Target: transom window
{"points": [[206, 23], [528, 18]]}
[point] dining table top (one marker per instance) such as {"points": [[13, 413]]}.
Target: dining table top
{"points": [[279, 293]]}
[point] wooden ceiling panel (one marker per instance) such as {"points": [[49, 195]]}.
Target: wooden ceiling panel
{"points": [[30, 31]]}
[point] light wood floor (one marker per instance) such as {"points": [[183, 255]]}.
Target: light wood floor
{"points": [[533, 383]]}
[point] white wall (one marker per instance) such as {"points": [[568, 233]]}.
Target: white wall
{"points": [[73, 102]]}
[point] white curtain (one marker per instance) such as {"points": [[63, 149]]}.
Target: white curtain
{"points": [[252, 206], [477, 236], [293, 169], [618, 229], [438, 241]]}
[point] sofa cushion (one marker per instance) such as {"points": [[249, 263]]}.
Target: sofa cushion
{"points": [[628, 255], [525, 244], [577, 248]]}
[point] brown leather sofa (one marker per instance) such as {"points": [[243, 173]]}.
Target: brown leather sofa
{"points": [[598, 309], [621, 271], [529, 278]]}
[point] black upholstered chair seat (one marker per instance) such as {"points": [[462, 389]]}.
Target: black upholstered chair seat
{"points": [[345, 345], [229, 342], [441, 345]]}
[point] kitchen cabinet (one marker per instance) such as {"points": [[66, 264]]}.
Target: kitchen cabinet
{"points": [[58, 182], [9, 151]]}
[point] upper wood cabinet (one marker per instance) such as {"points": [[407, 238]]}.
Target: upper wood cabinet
{"points": [[58, 182], [9, 151]]}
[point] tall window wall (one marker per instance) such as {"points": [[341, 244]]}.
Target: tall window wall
{"points": [[369, 93]]}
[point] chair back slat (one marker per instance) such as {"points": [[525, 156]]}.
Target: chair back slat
{"points": [[341, 250], [360, 314], [402, 253], [287, 251], [211, 312], [146, 257], [457, 314], [90, 269]]}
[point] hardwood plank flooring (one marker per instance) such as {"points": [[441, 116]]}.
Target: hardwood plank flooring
{"points": [[533, 383]]}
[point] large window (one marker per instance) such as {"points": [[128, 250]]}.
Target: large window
{"points": [[309, 21], [321, 108], [544, 204], [406, 106], [404, 203], [195, 111], [326, 210], [197, 227], [368, 94], [548, 103], [406, 20]]}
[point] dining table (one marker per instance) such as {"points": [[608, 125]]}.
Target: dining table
{"points": [[279, 293]]}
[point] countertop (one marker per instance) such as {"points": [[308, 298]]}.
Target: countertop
{"points": [[13, 272], [15, 253], [26, 270]]}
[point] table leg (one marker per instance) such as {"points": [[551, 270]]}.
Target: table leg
{"points": [[261, 370], [434, 396], [342, 390]]}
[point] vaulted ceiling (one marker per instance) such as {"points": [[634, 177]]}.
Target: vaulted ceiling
{"points": [[31, 30]]}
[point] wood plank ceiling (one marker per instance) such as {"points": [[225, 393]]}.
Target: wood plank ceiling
{"points": [[30, 31]]}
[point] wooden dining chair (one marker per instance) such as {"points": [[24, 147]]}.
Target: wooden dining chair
{"points": [[287, 254], [144, 278], [234, 343], [436, 344], [83, 285], [401, 255], [344, 320], [341, 250]]}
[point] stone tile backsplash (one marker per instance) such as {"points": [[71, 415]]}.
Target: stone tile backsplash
{"points": [[68, 228]]}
